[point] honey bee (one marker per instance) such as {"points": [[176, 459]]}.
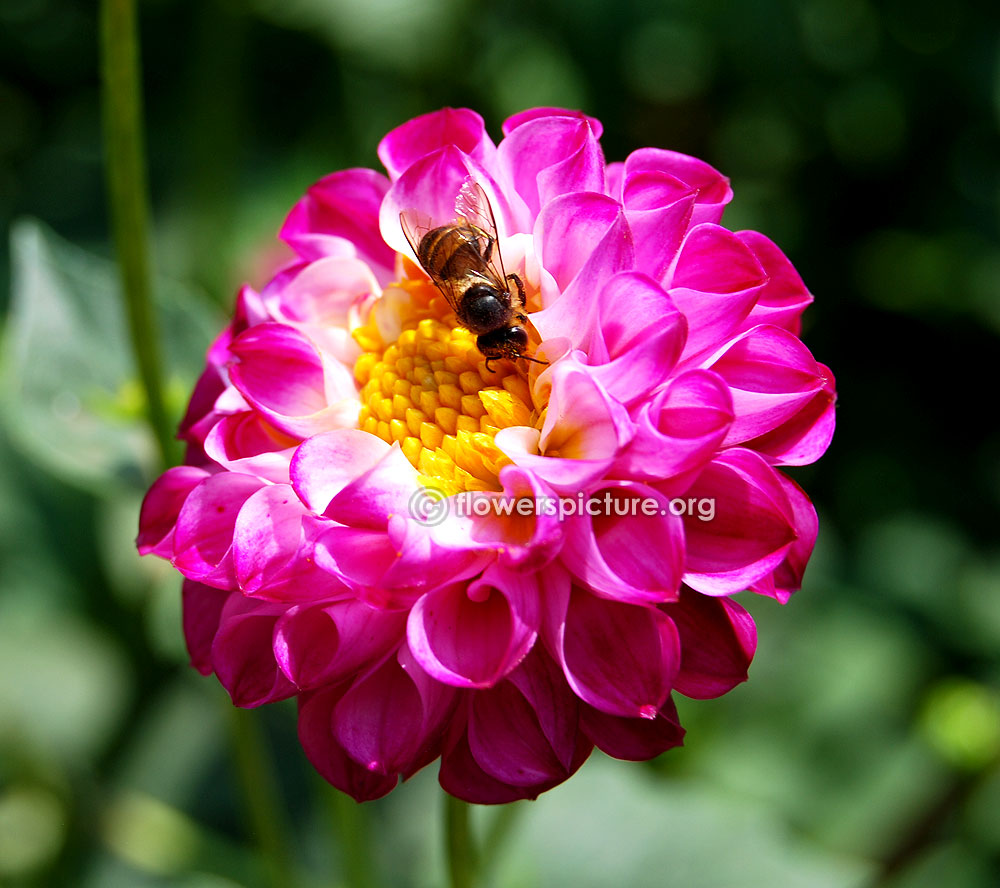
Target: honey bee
{"points": [[463, 260]]}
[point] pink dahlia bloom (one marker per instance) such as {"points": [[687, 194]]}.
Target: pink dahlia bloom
{"points": [[344, 401]]}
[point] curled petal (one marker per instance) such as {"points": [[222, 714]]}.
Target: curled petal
{"points": [[472, 636], [516, 120], [787, 576], [718, 640], [710, 186], [203, 539], [784, 297], [771, 376], [388, 718], [659, 208], [415, 139], [804, 437], [328, 756], [633, 739], [339, 216], [325, 644], [715, 282], [747, 532], [242, 656], [244, 442], [202, 612], [620, 658], [281, 374], [680, 430], [627, 544], [161, 508], [548, 156]]}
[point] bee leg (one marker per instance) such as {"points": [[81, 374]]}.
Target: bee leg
{"points": [[489, 369], [520, 287]]}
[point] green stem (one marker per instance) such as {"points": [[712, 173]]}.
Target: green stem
{"points": [[460, 849], [260, 792], [355, 840], [128, 203]]}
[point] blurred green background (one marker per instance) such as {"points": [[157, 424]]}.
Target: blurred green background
{"points": [[861, 136]]}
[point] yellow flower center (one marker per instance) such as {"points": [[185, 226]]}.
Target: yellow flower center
{"points": [[429, 389]]}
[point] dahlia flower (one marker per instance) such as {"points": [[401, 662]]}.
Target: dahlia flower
{"points": [[344, 405]]}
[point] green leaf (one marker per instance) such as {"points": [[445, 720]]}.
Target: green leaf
{"points": [[71, 399]]}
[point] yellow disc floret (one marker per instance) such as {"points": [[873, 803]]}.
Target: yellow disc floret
{"points": [[429, 389]]}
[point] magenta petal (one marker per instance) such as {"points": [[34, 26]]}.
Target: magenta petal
{"points": [[341, 211], [161, 507], [267, 535], [328, 756], [384, 722], [787, 576], [771, 376], [461, 776], [546, 157], [659, 210], [715, 283], [680, 430], [582, 240], [473, 636], [620, 658], [622, 553], [243, 442], [633, 739], [417, 138], [750, 531], [384, 490], [325, 464], [202, 612], [242, 656], [522, 117], [712, 188], [429, 189], [203, 538], [281, 374], [784, 297], [507, 741], [804, 437], [718, 640], [327, 643]]}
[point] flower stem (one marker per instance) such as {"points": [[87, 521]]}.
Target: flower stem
{"points": [[355, 840], [260, 792], [129, 204], [460, 849]]}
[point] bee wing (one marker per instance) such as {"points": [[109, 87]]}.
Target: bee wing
{"points": [[415, 225], [474, 207]]}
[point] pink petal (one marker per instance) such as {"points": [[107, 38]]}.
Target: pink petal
{"points": [[244, 442], [339, 213], [680, 430], [429, 189], [202, 612], [327, 463], [751, 529], [242, 655], [545, 157], [161, 508], [718, 640], [771, 376], [787, 576], [385, 723], [712, 188], [804, 437], [203, 538], [281, 374], [714, 283], [327, 643], [473, 636], [784, 297], [620, 658], [328, 756], [659, 209], [622, 553], [633, 739], [458, 127], [516, 120]]}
